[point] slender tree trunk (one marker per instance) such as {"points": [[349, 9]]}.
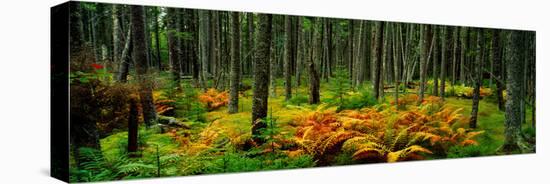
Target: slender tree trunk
{"points": [[444, 60], [396, 61], [288, 58], [117, 34], [378, 57], [261, 75], [436, 60], [140, 61], [173, 49], [497, 60], [455, 53], [301, 55], [235, 64], [478, 77], [350, 52], [157, 39], [312, 69], [463, 35], [204, 37], [125, 58], [423, 60]]}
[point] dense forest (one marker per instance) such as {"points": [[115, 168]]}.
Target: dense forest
{"points": [[158, 91]]}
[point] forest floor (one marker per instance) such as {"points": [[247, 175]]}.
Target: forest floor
{"points": [[202, 147]]}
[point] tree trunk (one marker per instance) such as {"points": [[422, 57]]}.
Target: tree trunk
{"points": [[261, 77], [512, 131], [314, 83], [133, 126], [497, 61], [350, 52], [478, 77], [463, 32], [378, 41], [436, 60], [204, 49], [444, 59], [76, 37], [140, 61], [235, 64], [157, 39], [300, 54], [117, 34], [288, 58], [455, 53], [125, 58], [396, 61], [173, 49]]}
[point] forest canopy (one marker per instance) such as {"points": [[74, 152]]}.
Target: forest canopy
{"points": [[159, 91]]}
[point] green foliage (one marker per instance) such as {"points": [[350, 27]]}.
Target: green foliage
{"points": [[232, 161], [297, 99], [98, 73], [188, 105], [363, 98], [339, 86], [470, 151]]}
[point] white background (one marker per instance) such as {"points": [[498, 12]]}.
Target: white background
{"points": [[24, 90]]}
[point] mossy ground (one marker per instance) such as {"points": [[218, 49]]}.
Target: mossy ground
{"points": [[200, 154]]}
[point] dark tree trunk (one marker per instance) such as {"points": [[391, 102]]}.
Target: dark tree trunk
{"points": [[261, 77], [424, 58], [436, 60], [157, 39], [455, 53], [378, 41], [76, 38], [444, 59], [288, 58], [314, 83], [140, 61], [173, 49], [478, 77], [133, 126], [463, 47], [499, 68], [235, 64], [204, 43], [350, 51]]}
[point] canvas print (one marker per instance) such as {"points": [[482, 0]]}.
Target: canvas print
{"points": [[162, 91]]}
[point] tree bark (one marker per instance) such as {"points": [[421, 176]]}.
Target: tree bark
{"points": [[444, 60], [173, 49], [497, 61], [140, 61], [378, 58], [261, 77], [133, 126], [204, 46], [478, 77], [436, 60], [125, 58], [314, 83], [235, 64], [288, 58], [157, 39], [512, 131]]}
